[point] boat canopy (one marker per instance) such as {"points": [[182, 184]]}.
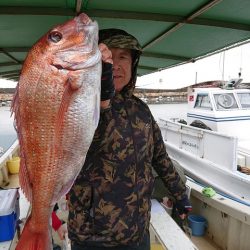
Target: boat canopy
{"points": [[170, 32]]}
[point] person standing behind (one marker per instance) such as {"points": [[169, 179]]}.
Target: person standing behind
{"points": [[109, 203]]}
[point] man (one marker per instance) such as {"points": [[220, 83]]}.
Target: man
{"points": [[109, 204]]}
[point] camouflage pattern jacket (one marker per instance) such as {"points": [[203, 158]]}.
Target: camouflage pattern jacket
{"points": [[109, 203]]}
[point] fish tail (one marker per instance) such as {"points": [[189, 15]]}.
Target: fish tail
{"points": [[31, 240]]}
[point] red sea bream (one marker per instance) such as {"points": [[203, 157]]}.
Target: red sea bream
{"points": [[56, 107]]}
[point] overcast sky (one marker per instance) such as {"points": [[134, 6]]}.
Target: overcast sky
{"points": [[210, 68]]}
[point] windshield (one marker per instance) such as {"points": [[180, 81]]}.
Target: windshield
{"points": [[203, 102], [244, 99]]}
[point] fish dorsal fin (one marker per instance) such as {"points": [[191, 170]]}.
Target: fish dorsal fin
{"points": [[24, 180], [23, 173]]}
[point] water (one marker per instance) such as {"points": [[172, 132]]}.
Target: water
{"points": [[7, 130], [8, 133], [177, 110]]}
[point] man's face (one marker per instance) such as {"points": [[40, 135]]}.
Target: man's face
{"points": [[122, 65]]}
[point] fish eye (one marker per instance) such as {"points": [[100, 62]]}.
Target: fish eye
{"points": [[55, 36]]}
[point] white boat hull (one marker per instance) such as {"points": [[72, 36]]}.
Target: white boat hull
{"points": [[207, 157]]}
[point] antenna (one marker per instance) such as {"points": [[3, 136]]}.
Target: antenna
{"points": [[223, 65], [239, 74]]}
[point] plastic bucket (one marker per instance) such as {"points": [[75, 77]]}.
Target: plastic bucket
{"points": [[13, 165], [198, 224]]}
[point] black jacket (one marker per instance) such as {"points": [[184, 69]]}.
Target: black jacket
{"points": [[110, 201]]}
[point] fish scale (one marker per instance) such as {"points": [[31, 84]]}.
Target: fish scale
{"points": [[56, 108]]}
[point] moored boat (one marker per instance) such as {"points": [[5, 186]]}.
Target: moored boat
{"points": [[211, 152], [215, 142]]}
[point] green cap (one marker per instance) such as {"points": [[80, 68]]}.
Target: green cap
{"points": [[117, 38]]}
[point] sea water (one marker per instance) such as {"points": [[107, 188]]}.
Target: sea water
{"points": [[167, 111], [8, 132]]}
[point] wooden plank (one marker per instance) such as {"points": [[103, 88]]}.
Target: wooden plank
{"points": [[168, 232]]}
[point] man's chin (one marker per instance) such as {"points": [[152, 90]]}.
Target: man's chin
{"points": [[118, 86]]}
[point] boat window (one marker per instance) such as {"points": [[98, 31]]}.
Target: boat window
{"points": [[203, 101], [244, 100], [225, 101]]}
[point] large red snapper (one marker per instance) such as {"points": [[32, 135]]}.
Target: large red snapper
{"points": [[56, 110]]}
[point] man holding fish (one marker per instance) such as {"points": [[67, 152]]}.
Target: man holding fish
{"points": [[109, 203], [63, 134]]}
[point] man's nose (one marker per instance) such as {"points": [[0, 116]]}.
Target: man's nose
{"points": [[116, 65]]}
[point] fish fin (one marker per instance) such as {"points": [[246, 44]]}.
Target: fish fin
{"points": [[66, 98], [23, 174], [24, 180], [30, 240], [15, 100]]}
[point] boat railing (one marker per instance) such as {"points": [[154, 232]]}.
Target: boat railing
{"points": [[212, 146]]}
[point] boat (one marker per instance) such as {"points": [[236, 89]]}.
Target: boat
{"points": [[210, 147], [215, 143], [225, 109]]}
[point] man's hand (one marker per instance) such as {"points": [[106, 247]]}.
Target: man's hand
{"points": [[184, 207], [107, 85], [106, 53]]}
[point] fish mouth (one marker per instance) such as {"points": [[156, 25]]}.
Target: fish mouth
{"points": [[83, 19], [84, 22], [88, 27], [82, 55]]}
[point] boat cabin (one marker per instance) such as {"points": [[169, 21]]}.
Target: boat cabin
{"points": [[226, 110]]}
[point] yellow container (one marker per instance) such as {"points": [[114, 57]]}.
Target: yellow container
{"points": [[14, 165], [156, 246]]}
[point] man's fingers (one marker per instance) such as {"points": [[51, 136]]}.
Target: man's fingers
{"points": [[106, 53], [108, 61]]}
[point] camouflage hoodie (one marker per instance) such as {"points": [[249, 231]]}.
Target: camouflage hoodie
{"points": [[109, 203]]}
